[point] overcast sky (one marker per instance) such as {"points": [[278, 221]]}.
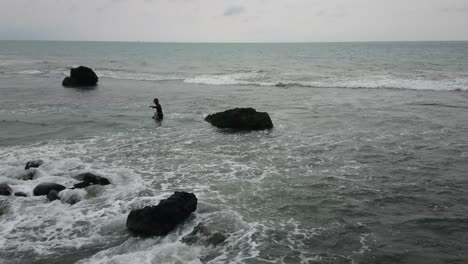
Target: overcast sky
{"points": [[234, 20]]}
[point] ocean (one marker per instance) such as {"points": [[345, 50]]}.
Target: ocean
{"points": [[367, 161]]}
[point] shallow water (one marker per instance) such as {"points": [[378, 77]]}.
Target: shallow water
{"points": [[346, 175]]}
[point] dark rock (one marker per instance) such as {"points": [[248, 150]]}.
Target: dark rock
{"points": [[81, 185], [53, 195], [5, 189], [241, 118], [45, 188], [92, 179], [161, 219], [81, 77], [33, 164], [21, 194]]}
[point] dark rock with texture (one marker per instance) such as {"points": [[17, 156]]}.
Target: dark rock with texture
{"points": [[45, 188], [161, 219], [81, 77], [21, 194], [33, 164], [5, 189], [241, 119], [92, 179]]}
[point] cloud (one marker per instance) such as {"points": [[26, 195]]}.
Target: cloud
{"points": [[234, 11]]}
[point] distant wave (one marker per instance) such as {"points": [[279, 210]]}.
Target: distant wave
{"points": [[124, 75], [259, 78]]}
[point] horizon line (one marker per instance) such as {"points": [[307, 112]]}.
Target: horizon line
{"points": [[228, 42]]}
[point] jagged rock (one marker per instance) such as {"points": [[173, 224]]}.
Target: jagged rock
{"points": [[45, 188], [161, 219], [33, 164], [21, 194], [241, 118], [5, 189], [81, 77], [92, 179]]}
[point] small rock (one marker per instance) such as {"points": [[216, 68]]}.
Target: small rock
{"points": [[21, 194], [81, 185], [33, 164], [92, 179], [27, 175], [45, 188], [70, 196], [5, 189], [53, 195]]}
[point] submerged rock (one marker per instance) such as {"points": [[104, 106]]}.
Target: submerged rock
{"points": [[241, 118], [161, 219], [91, 179], [21, 194], [33, 164], [202, 235], [53, 195], [81, 185], [27, 175], [71, 196], [5, 189], [45, 188], [81, 77]]}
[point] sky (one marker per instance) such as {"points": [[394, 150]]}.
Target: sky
{"points": [[234, 20]]}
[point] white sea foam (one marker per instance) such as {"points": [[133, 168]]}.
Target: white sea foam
{"points": [[142, 76]]}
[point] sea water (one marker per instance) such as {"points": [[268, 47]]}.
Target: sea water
{"points": [[367, 161]]}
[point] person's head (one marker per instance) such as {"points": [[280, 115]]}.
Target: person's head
{"points": [[156, 101]]}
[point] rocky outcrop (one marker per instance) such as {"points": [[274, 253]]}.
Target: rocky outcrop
{"points": [[33, 164], [5, 189], [45, 188], [161, 219], [241, 119], [21, 194], [90, 179], [81, 77]]}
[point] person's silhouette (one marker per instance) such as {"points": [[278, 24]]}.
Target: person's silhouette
{"points": [[159, 113]]}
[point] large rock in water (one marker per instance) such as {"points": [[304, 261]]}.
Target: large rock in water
{"points": [[161, 219], [81, 77], [5, 189], [241, 118], [45, 188]]}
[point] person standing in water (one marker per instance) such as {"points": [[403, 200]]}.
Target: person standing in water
{"points": [[159, 114]]}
